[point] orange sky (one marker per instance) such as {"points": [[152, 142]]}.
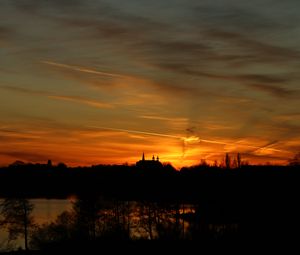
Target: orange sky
{"points": [[103, 81]]}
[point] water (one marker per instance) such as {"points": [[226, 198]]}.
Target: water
{"points": [[45, 211]]}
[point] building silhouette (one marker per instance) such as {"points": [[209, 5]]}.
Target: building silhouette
{"points": [[149, 164]]}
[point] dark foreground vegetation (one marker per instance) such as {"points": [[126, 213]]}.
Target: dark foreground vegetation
{"points": [[145, 207]]}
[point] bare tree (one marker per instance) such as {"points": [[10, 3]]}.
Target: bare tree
{"points": [[17, 218], [227, 161], [147, 217], [86, 211], [60, 231], [295, 161], [239, 160]]}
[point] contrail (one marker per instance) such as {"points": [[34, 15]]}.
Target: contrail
{"points": [[265, 147], [138, 132], [189, 139], [245, 145], [185, 139], [83, 69]]}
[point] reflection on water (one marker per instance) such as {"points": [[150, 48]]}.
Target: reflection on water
{"points": [[45, 211]]}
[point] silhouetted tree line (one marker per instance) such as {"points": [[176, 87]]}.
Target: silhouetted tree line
{"points": [[16, 218], [229, 201], [95, 221], [161, 182]]}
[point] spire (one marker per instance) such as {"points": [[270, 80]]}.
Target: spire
{"points": [[153, 158], [143, 158], [157, 158]]}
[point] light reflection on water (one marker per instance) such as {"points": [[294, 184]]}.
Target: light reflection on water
{"points": [[45, 211]]}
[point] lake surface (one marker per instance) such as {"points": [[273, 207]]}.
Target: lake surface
{"points": [[45, 211]]}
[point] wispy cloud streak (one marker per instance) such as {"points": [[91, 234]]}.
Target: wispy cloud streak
{"points": [[74, 99], [84, 69], [83, 100], [193, 139]]}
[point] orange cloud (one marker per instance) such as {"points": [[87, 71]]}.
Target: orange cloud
{"points": [[83, 100], [91, 145]]}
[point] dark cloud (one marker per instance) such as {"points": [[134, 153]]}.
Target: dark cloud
{"points": [[27, 156], [105, 20], [10, 139], [244, 51], [14, 135], [189, 69], [265, 52], [257, 157], [115, 25], [237, 17], [5, 130], [214, 22], [152, 40], [177, 90], [6, 33], [191, 130], [286, 129], [253, 50], [273, 90], [24, 90], [263, 78], [4, 139], [68, 98], [295, 148], [28, 6], [176, 47], [64, 3], [35, 6], [195, 58], [142, 34]]}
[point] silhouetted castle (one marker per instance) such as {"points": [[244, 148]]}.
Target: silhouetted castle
{"points": [[154, 163]]}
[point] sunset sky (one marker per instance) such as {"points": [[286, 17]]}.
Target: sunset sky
{"points": [[88, 81]]}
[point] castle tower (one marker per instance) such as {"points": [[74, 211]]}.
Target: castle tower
{"points": [[153, 163]]}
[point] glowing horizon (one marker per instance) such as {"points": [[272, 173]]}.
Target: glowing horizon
{"points": [[179, 150]]}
